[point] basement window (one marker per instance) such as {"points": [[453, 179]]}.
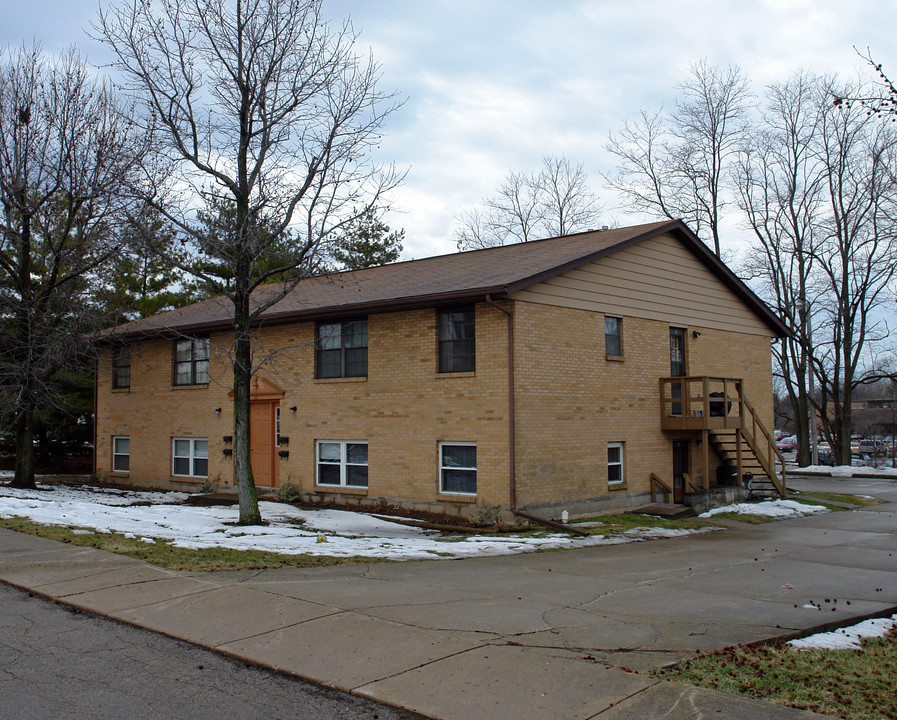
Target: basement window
{"points": [[615, 463], [458, 468], [190, 457], [121, 453], [342, 463]]}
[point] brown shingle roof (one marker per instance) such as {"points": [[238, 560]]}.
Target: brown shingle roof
{"points": [[459, 277]]}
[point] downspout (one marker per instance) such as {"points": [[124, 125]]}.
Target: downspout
{"points": [[512, 435], [96, 403], [512, 423]]}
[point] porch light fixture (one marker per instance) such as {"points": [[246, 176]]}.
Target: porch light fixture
{"points": [[217, 411], [293, 409], [695, 334]]}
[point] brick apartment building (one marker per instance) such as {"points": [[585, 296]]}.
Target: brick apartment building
{"points": [[578, 373]]}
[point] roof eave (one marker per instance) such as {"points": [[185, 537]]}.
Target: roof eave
{"points": [[322, 313]]}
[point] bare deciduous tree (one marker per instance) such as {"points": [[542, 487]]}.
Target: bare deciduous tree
{"points": [[857, 259], [66, 151], [263, 106], [883, 103], [818, 187], [555, 201], [781, 184], [676, 165]]}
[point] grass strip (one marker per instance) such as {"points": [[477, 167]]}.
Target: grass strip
{"points": [[630, 521], [855, 684], [837, 498], [164, 554]]}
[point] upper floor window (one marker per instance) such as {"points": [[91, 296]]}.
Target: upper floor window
{"points": [[121, 366], [342, 349], [613, 336], [457, 341], [191, 361]]}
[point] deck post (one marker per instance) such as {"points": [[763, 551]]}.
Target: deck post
{"points": [[705, 448]]}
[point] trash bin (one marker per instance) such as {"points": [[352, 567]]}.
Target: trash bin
{"points": [[718, 408], [727, 475]]}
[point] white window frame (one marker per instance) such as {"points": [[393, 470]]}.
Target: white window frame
{"points": [[116, 455], [343, 464], [443, 468], [621, 464], [192, 457]]}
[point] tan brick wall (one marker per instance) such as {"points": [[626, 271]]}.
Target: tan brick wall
{"points": [[403, 409], [572, 401]]}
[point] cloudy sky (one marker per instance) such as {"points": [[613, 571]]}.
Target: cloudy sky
{"points": [[492, 85]]}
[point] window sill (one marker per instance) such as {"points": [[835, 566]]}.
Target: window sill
{"points": [[363, 378], [613, 487], [189, 478], [615, 358], [119, 473], [341, 489], [446, 375], [121, 390], [203, 386], [457, 497]]}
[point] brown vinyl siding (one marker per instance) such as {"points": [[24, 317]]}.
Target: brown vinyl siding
{"points": [[658, 279]]}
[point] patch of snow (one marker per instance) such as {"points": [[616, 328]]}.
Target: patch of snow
{"points": [[848, 638], [289, 530], [768, 508], [849, 471]]}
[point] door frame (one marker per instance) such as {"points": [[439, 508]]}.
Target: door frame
{"points": [[263, 391], [682, 464]]}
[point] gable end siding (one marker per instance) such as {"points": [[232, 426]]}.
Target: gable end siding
{"points": [[658, 279]]}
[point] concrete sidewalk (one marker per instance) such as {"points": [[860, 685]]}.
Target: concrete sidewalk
{"points": [[529, 636]]}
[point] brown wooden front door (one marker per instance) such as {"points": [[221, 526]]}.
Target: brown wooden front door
{"points": [[680, 468], [263, 453]]}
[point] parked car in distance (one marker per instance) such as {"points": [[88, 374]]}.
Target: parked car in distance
{"points": [[861, 460], [872, 446], [787, 444]]}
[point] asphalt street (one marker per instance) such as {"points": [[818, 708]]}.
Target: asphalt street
{"points": [[59, 663]]}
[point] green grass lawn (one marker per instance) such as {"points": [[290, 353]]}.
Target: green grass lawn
{"points": [[613, 524], [855, 684], [856, 501]]}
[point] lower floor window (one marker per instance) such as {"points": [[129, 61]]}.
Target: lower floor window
{"points": [[121, 453], [190, 457], [342, 462], [614, 462], [458, 467]]}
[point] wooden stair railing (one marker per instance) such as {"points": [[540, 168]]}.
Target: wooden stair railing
{"points": [[655, 481], [762, 444]]}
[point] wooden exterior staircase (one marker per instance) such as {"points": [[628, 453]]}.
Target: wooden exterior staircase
{"points": [[718, 408]]}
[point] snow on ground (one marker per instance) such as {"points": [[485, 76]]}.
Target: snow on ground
{"points": [[847, 470], [768, 508], [290, 530], [847, 638]]}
